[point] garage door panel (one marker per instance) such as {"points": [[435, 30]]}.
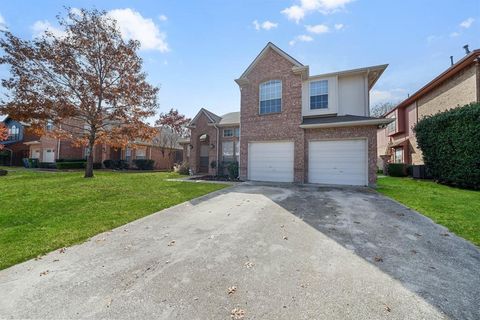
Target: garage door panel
{"points": [[270, 161], [338, 162]]}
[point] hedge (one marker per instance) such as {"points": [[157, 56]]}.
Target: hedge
{"points": [[397, 169], [70, 165], [144, 164], [450, 144], [115, 164]]}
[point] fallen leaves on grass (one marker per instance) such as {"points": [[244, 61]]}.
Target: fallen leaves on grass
{"points": [[237, 314], [232, 290]]}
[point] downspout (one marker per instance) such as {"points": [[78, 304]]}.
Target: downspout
{"points": [[218, 139]]}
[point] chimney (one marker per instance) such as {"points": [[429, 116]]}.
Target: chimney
{"points": [[451, 60], [467, 51]]}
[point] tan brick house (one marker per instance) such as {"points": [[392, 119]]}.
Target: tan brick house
{"points": [[457, 86], [294, 127]]}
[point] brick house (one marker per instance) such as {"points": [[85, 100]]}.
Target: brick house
{"points": [[293, 127], [457, 86], [22, 143]]}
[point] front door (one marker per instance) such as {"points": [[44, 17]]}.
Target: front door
{"points": [[204, 149]]}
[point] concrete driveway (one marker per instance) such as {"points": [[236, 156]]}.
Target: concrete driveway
{"points": [[284, 252]]}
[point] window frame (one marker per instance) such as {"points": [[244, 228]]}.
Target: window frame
{"points": [[229, 130], [395, 159], [318, 95], [273, 81], [224, 143]]}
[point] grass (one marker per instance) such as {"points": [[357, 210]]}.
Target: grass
{"points": [[43, 211], [456, 209]]}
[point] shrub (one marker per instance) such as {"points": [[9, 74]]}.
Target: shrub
{"points": [[449, 142], [33, 163], [3, 172], [182, 168], [97, 165], [397, 170], [70, 165], [71, 160], [409, 170], [232, 168], [116, 164], [47, 165], [144, 164]]}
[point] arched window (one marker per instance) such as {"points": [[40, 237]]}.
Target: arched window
{"points": [[13, 133], [271, 97]]}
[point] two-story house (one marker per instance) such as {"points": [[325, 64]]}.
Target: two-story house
{"points": [[295, 127], [457, 86]]}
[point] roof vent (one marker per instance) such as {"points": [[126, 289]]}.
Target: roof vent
{"points": [[451, 60], [467, 51]]}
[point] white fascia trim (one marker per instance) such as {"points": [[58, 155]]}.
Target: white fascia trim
{"points": [[347, 124]]}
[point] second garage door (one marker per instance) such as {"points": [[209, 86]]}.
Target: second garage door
{"points": [[270, 161], [338, 162]]}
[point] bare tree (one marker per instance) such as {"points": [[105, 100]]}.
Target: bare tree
{"points": [[172, 127], [87, 81], [381, 108]]}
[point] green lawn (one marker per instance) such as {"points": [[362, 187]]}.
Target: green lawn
{"points": [[456, 209], [43, 211]]}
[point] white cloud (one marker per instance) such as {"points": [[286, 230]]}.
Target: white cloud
{"points": [[392, 95], [338, 26], [134, 26], [297, 12], [162, 17], [467, 23], [318, 29], [454, 34], [301, 38], [266, 25], [3, 23], [40, 26]]}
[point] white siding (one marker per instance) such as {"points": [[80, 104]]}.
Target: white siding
{"points": [[351, 95]]}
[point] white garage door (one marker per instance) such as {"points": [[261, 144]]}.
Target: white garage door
{"points": [[338, 162], [270, 161]]}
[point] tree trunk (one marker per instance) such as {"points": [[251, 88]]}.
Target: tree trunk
{"points": [[89, 166]]}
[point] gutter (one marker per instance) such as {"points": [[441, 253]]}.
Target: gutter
{"points": [[372, 122]]}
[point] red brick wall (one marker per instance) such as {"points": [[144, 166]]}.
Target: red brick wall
{"points": [[280, 126], [201, 128], [368, 132]]}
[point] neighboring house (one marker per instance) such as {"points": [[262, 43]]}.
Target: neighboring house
{"points": [[457, 86], [293, 127], [21, 143]]}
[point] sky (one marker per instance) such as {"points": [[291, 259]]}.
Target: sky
{"points": [[193, 50]]}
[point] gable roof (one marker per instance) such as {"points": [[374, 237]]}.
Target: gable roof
{"points": [[442, 77], [270, 45], [212, 117]]}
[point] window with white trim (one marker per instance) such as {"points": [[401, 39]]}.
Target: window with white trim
{"points": [[237, 132], [271, 97], [319, 94], [13, 133], [227, 151], [398, 156], [392, 126]]}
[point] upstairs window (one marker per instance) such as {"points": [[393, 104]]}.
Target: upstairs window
{"points": [[271, 97], [319, 94], [13, 133], [392, 126], [228, 132], [49, 126]]}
